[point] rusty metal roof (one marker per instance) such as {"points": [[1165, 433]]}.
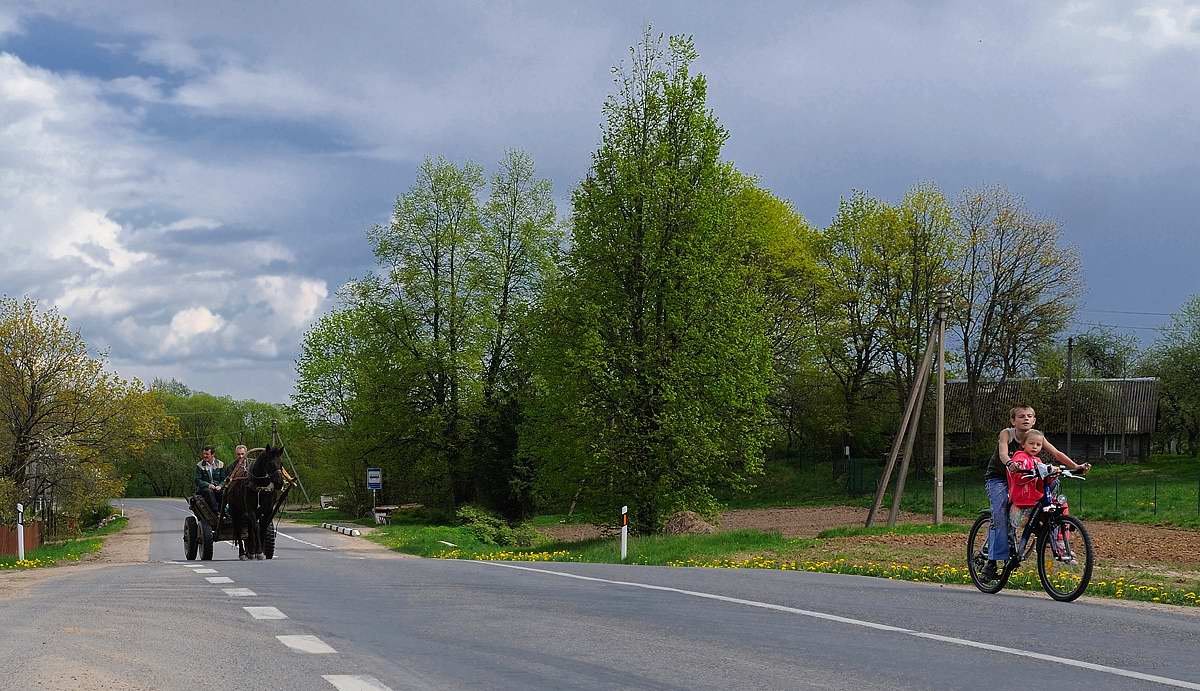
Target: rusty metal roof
{"points": [[1098, 406]]}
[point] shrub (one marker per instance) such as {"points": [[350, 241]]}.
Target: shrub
{"points": [[491, 529]]}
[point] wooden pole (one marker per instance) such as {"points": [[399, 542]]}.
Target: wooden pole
{"points": [[911, 438], [1070, 348], [886, 476], [940, 434]]}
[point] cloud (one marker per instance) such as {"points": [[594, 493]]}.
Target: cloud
{"points": [[126, 233]]}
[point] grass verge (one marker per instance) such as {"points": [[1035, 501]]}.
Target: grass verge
{"points": [[67, 550]]}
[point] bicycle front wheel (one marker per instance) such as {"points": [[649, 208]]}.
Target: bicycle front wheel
{"points": [[977, 557], [1065, 558]]}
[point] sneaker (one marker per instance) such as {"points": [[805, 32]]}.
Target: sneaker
{"points": [[989, 572]]}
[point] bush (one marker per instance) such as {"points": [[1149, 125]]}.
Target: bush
{"points": [[491, 529]]}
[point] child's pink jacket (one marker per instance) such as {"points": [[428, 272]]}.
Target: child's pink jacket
{"points": [[1023, 492]]}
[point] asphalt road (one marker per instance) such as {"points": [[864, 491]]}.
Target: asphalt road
{"points": [[404, 623]]}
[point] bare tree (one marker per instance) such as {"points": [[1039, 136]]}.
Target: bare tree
{"points": [[1016, 287]]}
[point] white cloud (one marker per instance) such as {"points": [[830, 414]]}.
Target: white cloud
{"points": [[296, 300]]}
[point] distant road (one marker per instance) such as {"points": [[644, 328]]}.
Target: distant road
{"points": [[336, 612]]}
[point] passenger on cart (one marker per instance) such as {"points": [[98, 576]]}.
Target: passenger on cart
{"points": [[209, 474]]}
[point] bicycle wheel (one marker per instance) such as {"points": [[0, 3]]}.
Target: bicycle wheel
{"points": [[977, 556], [1065, 558]]}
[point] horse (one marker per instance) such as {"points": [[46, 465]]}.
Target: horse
{"points": [[251, 492]]}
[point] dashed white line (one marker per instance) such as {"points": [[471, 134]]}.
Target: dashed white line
{"points": [[265, 613], [306, 644], [355, 682], [219, 579], [204, 570], [240, 592], [1130, 674]]}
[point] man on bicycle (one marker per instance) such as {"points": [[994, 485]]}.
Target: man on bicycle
{"points": [[1021, 418]]}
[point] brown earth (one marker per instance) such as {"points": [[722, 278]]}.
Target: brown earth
{"points": [[1121, 545]]}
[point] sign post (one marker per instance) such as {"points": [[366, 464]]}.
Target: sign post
{"points": [[20, 532], [624, 531], [374, 483]]}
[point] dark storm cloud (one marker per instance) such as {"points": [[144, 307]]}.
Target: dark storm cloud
{"points": [[242, 141]]}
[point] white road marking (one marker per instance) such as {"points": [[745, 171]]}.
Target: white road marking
{"points": [[219, 579], [306, 644], [355, 682], [240, 592], [265, 613], [327, 549], [204, 570], [1130, 674]]}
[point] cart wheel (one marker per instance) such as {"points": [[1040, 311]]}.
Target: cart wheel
{"points": [[208, 542], [190, 538], [268, 540]]}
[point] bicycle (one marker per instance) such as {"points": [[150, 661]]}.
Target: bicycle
{"points": [[1063, 547]]}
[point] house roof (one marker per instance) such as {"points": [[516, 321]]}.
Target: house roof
{"points": [[1098, 406]]}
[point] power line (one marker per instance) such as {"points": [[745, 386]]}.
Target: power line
{"points": [[1148, 314], [1118, 326]]}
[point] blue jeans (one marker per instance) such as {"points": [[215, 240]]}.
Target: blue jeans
{"points": [[997, 491]]}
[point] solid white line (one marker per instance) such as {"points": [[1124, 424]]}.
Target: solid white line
{"points": [[306, 644], [355, 682], [219, 579], [239, 592], [204, 570], [872, 625], [327, 549], [265, 613]]}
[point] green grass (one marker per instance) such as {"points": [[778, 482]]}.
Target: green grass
{"points": [[68, 550]]}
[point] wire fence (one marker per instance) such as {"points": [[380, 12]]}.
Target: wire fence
{"points": [[1138, 495]]}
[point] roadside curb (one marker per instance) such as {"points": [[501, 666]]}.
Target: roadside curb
{"points": [[352, 532]]}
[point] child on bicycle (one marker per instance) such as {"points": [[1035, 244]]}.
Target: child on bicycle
{"points": [[1025, 492]]}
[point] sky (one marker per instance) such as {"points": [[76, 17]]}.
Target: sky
{"points": [[190, 183]]}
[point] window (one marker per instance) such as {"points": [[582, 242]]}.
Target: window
{"points": [[1112, 443]]}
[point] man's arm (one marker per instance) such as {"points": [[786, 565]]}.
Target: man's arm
{"points": [[1064, 458]]}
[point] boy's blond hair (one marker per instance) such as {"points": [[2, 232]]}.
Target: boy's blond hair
{"points": [[1012, 412]]}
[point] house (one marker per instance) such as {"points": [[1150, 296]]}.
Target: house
{"points": [[1111, 419]]}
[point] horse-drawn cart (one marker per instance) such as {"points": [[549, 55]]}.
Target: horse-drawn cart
{"points": [[203, 528]]}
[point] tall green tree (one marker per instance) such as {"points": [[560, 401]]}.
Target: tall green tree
{"points": [[518, 246], [848, 322], [655, 364]]}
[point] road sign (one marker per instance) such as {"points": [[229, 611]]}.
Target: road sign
{"points": [[374, 478]]}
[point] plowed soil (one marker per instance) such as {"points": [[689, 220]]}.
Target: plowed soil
{"points": [[1122, 545]]}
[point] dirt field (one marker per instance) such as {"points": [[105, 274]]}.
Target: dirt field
{"points": [[1117, 545]]}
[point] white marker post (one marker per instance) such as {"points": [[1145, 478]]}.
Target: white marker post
{"points": [[624, 531], [20, 532]]}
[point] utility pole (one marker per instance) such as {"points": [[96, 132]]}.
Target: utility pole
{"points": [[1070, 350], [940, 432]]}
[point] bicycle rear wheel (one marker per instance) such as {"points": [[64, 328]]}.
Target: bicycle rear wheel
{"points": [[1065, 558], [977, 557]]}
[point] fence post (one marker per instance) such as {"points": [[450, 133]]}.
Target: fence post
{"points": [[1155, 495], [1116, 490]]}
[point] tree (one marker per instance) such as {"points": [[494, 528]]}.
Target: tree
{"points": [[916, 257], [518, 246], [787, 279], [1015, 287], [654, 362], [849, 324], [1175, 360], [64, 418]]}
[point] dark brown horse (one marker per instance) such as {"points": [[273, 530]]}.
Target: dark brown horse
{"points": [[250, 493]]}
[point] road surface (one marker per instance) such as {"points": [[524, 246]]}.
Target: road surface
{"points": [[332, 611]]}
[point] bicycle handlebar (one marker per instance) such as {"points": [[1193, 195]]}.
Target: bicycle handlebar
{"points": [[1061, 471]]}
